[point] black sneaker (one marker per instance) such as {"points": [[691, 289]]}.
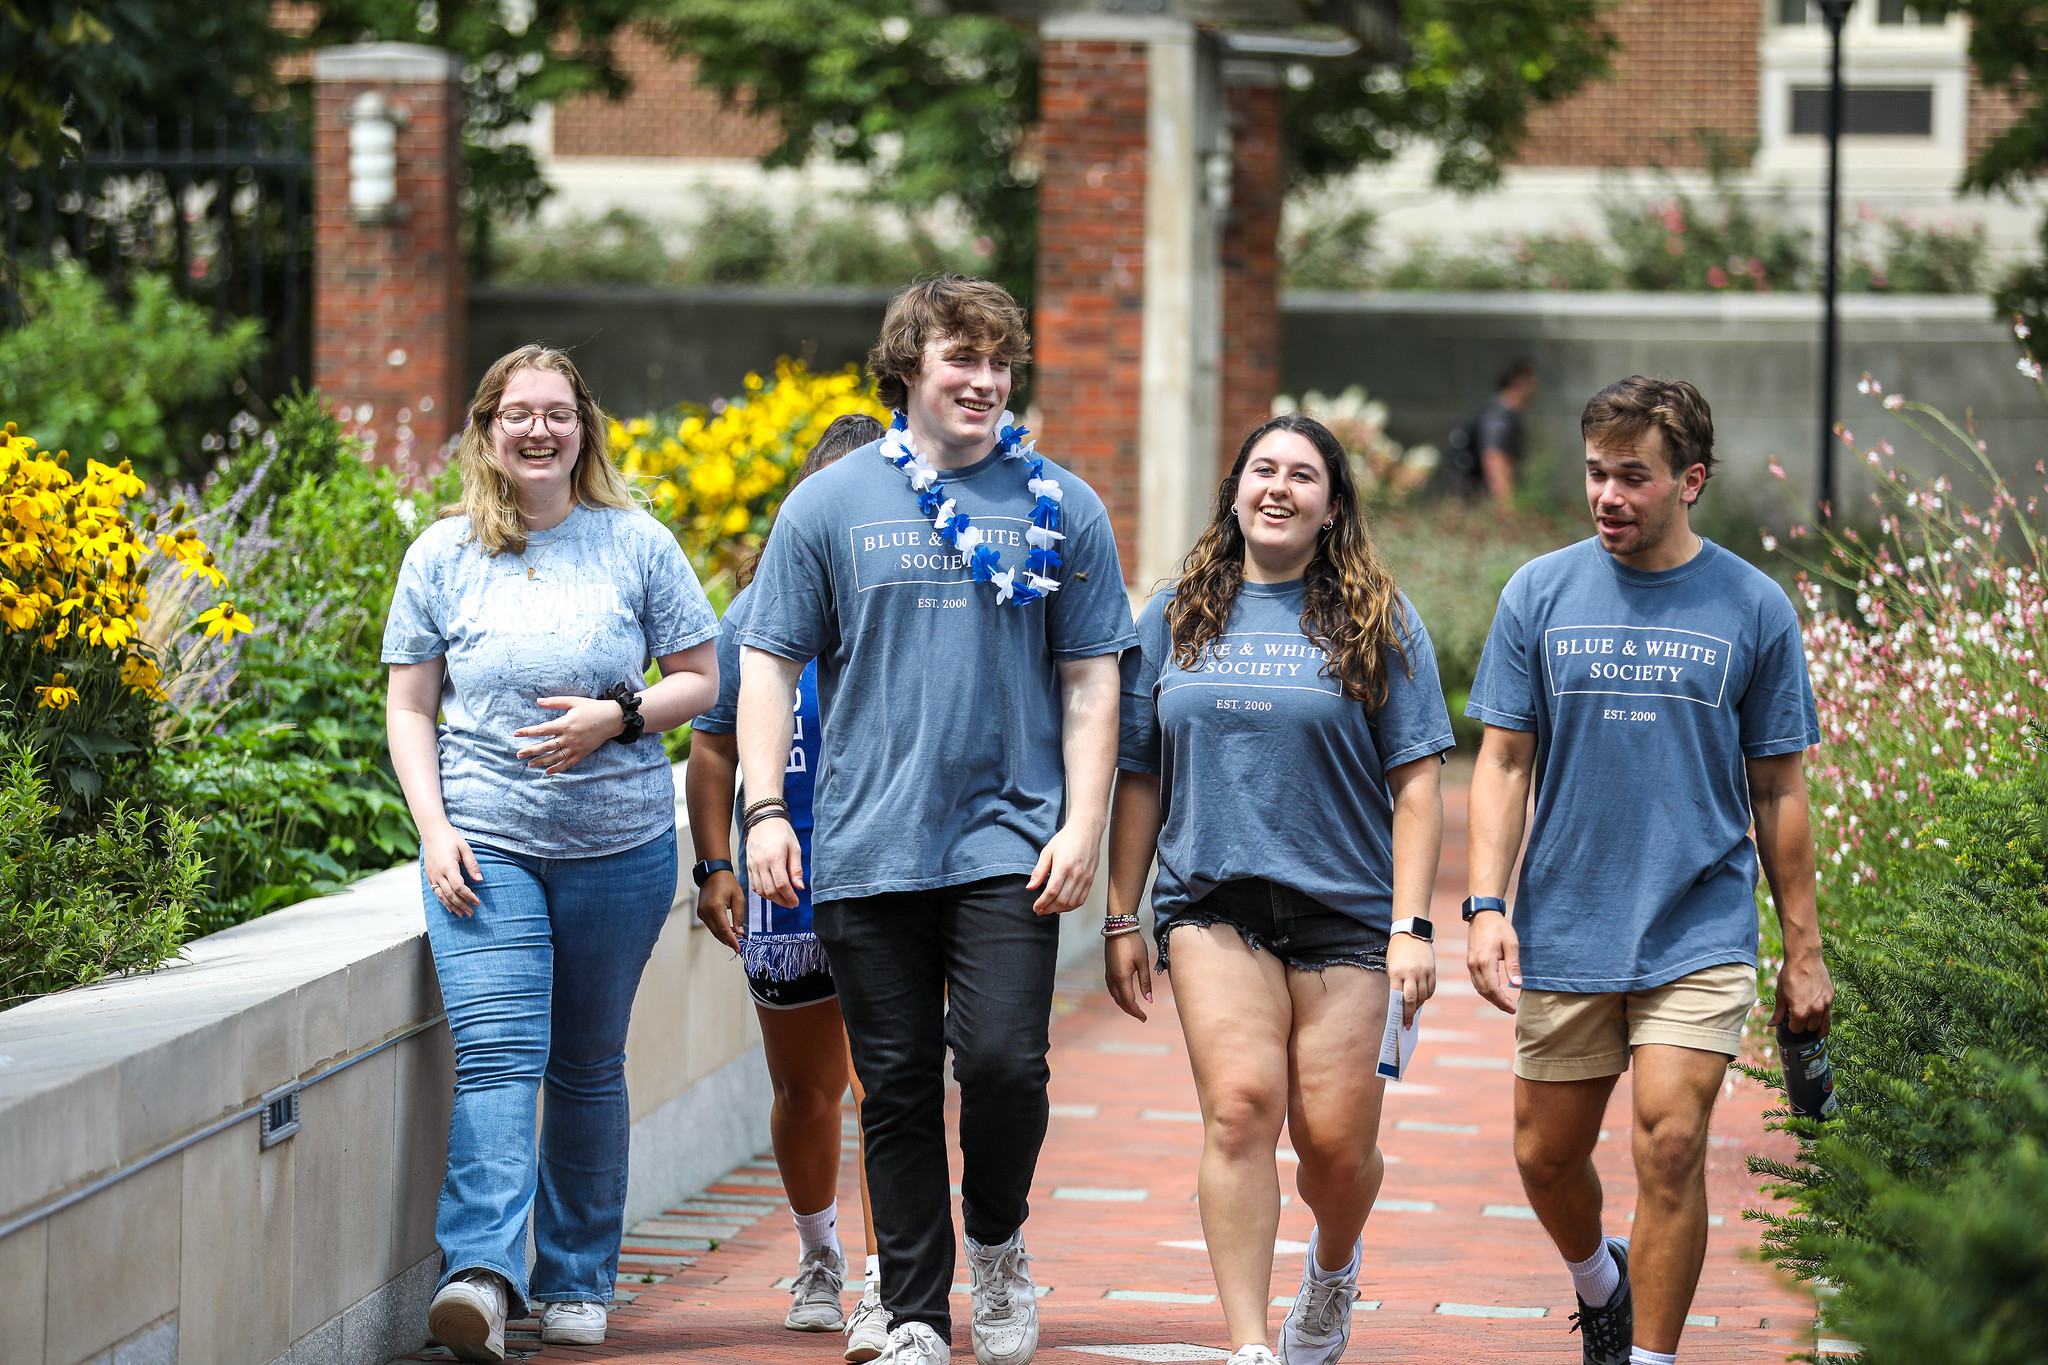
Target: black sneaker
{"points": [[1610, 1330]]}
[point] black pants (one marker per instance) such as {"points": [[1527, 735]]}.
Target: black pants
{"points": [[970, 967]]}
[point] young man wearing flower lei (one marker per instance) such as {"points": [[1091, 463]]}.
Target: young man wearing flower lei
{"points": [[1654, 689], [964, 602]]}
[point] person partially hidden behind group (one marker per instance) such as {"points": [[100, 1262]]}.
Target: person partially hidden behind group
{"points": [[527, 617], [1283, 648], [788, 974]]}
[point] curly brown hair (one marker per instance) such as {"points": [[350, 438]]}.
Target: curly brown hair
{"points": [[978, 312], [1350, 607]]}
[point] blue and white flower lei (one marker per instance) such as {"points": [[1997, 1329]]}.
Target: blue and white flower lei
{"points": [[1013, 587]]}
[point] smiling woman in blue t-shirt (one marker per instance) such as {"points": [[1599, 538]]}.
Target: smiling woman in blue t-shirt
{"points": [[1282, 730], [525, 620]]}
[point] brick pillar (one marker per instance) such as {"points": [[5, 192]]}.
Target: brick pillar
{"points": [[1251, 258], [387, 288], [1088, 313]]}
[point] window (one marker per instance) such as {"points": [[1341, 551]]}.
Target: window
{"points": [[1890, 13], [1868, 110]]}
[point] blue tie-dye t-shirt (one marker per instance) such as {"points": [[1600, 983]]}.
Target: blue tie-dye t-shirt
{"points": [[610, 591]]}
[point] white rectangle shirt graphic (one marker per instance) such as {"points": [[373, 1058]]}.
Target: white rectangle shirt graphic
{"points": [[1636, 661], [890, 554]]}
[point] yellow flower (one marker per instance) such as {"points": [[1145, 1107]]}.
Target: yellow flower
{"points": [[224, 621], [56, 696], [139, 674]]}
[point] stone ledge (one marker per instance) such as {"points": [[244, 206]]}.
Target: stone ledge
{"points": [[95, 1078], [396, 62]]}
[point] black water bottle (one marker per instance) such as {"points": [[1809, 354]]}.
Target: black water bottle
{"points": [[1809, 1078]]}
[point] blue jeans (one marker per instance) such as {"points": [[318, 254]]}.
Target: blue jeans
{"points": [[539, 986]]}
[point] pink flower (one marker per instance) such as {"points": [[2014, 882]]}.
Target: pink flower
{"points": [[1717, 277], [1673, 247]]}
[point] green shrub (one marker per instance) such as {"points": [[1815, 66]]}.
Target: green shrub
{"points": [[1453, 561], [284, 762], [1941, 1032], [1974, 1291], [75, 908], [1333, 251], [736, 242], [88, 375]]}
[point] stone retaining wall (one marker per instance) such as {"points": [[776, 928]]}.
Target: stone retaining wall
{"points": [[176, 1236]]}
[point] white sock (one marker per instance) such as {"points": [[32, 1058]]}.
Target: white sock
{"points": [[873, 1276], [1597, 1277], [1638, 1356], [1315, 1267], [818, 1229]]}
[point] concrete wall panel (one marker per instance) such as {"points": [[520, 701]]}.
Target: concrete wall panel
{"points": [[113, 1264]]}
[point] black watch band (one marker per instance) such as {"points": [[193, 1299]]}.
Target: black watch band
{"points": [[629, 707], [701, 870], [1475, 904]]}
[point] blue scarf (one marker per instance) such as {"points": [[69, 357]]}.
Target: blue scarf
{"points": [[780, 944]]}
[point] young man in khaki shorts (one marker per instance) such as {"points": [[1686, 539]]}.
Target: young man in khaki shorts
{"points": [[1654, 688]]}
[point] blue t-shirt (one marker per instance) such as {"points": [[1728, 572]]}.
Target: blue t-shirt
{"points": [[767, 921], [610, 590], [941, 759], [1266, 769], [1647, 691]]}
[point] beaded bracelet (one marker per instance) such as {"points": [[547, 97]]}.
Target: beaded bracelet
{"points": [[1115, 926]]}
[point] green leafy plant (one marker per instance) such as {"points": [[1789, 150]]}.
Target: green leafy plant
{"points": [[734, 243], [106, 380], [1941, 1023], [77, 907]]}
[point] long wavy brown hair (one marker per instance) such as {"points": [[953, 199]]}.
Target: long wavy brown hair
{"points": [[1349, 607]]}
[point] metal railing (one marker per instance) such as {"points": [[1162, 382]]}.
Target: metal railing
{"points": [[225, 211]]}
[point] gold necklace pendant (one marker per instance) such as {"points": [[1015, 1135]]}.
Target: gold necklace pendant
{"points": [[529, 573]]}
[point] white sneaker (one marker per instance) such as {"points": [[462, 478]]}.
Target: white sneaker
{"points": [[1319, 1324], [867, 1331], [468, 1315], [1255, 1354], [1005, 1328], [814, 1306], [573, 1324], [915, 1343]]}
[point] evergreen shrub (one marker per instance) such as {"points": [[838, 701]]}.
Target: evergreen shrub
{"points": [[1924, 1199]]}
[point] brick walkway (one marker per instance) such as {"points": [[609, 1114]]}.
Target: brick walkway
{"points": [[1457, 1265]]}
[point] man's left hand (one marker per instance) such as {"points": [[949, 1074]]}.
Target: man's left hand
{"points": [[1066, 869], [1806, 995]]}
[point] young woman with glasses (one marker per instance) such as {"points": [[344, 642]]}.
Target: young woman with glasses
{"points": [[526, 619]]}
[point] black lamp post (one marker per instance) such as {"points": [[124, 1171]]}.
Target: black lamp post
{"points": [[1834, 12]]}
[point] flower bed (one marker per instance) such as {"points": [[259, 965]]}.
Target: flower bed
{"points": [[1926, 1201]]}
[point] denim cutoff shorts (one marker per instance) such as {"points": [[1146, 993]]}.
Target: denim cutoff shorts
{"points": [[1301, 931]]}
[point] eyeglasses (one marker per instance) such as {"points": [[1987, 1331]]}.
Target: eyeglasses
{"points": [[518, 421]]}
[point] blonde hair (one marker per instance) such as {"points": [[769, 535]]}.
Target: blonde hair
{"points": [[489, 498]]}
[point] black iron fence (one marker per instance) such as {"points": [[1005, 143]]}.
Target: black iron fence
{"points": [[225, 211]]}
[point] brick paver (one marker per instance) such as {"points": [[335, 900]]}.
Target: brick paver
{"points": [[1454, 1259]]}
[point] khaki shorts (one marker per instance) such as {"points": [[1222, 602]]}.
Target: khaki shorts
{"points": [[1562, 1036]]}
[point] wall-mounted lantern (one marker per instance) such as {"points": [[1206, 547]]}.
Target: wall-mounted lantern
{"points": [[373, 124]]}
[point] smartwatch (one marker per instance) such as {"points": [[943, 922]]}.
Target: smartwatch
{"points": [[1475, 904], [629, 703], [1416, 925], [701, 870]]}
